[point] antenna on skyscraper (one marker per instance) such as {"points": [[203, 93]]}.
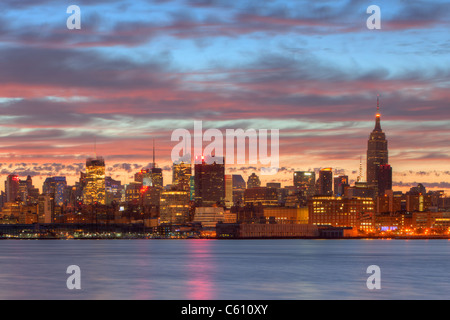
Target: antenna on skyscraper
{"points": [[378, 103], [154, 163], [360, 170]]}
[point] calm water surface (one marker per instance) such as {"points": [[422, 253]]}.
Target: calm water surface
{"points": [[220, 270]]}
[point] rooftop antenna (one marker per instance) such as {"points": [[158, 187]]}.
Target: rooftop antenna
{"points": [[378, 103], [360, 170], [154, 163]]}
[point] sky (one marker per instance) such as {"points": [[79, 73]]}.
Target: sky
{"points": [[138, 70]]}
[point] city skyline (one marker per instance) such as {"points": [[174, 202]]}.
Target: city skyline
{"points": [[168, 169], [220, 152], [135, 72]]}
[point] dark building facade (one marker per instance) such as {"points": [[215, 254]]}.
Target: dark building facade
{"points": [[384, 179], [209, 183], [340, 183], [325, 182], [253, 181]]}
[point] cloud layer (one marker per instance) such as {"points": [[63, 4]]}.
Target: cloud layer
{"points": [[138, 70]]}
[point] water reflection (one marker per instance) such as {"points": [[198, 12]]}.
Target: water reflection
{"points": [[201, 268], [211, 269]]}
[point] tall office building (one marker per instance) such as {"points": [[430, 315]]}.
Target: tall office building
{"points": [[325, 182], [209, 183], [113, 190], [377, 152], [174, 207], [384, 178], [228, 190], [32, 192], [305, 182], [23, 191], [340, 183], [157, 178], [239, 182], [95, 189], [239, 187], [253, 181], [156, 173], [133, 193], [55, 186], [181, 175], [12, 187], [192, 188], [144, 176]]}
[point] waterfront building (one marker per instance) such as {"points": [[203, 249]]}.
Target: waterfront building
{"points": [[338, 211]]}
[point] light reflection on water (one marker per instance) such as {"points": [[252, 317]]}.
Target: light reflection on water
{"points": [[220, 269]]}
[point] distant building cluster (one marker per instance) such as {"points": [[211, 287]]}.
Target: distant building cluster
{"points": [[205, 201]]}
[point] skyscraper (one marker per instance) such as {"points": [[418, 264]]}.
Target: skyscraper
{"points": [[143, 175], [340, 183], [12, 187], [305, 182], [384, 179], [174, 206], [55, 186], [209, 183], [239, 187], [181, 175], [253, 181], [157, 177], [95, 190], [228, 190], [156, 173], [113, 190], [377, 152], [325, 182]]}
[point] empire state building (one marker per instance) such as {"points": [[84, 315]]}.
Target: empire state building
{"points": [[377, 152]]}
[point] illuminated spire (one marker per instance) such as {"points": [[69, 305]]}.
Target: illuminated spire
{"points": [[378, 116]]}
